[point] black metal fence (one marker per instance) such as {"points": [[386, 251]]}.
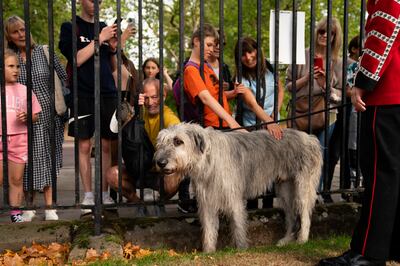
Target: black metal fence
{"points": [[141, 33]]}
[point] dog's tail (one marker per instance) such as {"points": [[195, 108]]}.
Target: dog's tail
{"points": [[308, 177]]}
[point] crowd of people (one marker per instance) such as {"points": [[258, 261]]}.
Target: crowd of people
{"points": [[259, 103], [205, 92]]}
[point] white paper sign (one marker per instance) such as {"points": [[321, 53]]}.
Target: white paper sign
{"points": [[285, 37]]}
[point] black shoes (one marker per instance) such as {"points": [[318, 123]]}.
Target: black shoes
{"points": [[327, 198], [350, 258]]}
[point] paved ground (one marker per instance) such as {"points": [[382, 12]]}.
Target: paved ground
{"points": [[66, 192]]}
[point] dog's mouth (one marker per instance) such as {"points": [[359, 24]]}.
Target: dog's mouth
{"points": [[168, 171]]}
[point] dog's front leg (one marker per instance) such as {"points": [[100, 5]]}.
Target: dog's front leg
{"points": [[238, 224], [210, 223]]}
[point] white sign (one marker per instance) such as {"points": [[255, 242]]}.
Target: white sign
{"points": [[285, 37]]}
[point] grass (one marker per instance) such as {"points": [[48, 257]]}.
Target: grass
{"points": [[310, 252]]}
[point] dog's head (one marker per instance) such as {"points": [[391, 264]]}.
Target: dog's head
{"points": [[179, 148]]}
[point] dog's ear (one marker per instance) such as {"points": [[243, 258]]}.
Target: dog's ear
{"points": [[199, 141]]}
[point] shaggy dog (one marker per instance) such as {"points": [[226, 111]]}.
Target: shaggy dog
{"points": [[228, 168]]}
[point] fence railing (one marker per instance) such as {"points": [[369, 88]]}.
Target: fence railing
{"points": [[260, 24]]}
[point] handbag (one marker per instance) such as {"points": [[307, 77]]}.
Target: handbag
{"points": [[136, 143], [302, 109], [59, 101]]}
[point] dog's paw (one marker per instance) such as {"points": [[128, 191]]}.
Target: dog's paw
{"points": [[284, 241], [301, 240], [209, 249], [243, 245]]}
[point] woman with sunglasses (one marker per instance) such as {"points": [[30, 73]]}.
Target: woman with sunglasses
{"points": [[319, 84]]}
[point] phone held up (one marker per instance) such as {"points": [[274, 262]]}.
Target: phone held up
{"points": [[318, 62], [131, 22]]}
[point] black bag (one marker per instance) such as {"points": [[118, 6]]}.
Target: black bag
{"points": [[135, 138]]}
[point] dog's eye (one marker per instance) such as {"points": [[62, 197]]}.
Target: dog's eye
{"points": [[177, 142]]}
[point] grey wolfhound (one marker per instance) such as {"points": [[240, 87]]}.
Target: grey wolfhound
{"points": [[228, 168]]}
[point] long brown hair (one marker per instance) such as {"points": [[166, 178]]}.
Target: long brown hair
{"points": [[9, 25], [248, 46], [155, 61], [134, 76]]}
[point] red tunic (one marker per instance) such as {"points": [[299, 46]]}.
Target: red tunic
{"points": [[379, 71]]}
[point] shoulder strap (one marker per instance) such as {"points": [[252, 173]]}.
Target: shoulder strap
{"points": [[264, 90], [269, 66], [46, 52], [191, 63]]}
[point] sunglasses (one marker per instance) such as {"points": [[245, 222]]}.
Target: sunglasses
{"points": [[323, 31]]}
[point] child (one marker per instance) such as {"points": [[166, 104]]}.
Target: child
{"points": [[206, 91], [17, 137]]}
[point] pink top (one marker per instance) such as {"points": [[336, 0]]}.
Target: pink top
{"points": [[16, 103]]}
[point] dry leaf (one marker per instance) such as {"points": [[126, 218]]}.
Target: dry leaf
{"points": [[9, 253], [172, 253], [39, 261], [142, 253], [78, 263], [14, 261], [105, 255], [91, 255]]}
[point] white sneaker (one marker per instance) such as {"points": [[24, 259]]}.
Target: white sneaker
{"points": [[107, 200], [28, 215], [151, 195], [88, 201], [51, 215]]}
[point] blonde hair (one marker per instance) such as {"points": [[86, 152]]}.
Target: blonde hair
{"points": [[9, 53], [336, 43], [9, 25]]}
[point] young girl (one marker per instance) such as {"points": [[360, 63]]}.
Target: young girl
{"points": [[249, 73], [17, 132], [151, 69]]}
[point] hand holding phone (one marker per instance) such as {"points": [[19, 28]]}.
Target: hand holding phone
{"points": [[318, 62], [131, 22]]}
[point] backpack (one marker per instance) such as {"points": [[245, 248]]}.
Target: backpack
{"points": [[135, 138], [190, 110]]}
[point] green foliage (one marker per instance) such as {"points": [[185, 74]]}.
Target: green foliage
{"points": [[171, 21], [39, 16]]}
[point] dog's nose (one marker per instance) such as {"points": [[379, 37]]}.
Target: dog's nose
{"points": [[162, 163]]}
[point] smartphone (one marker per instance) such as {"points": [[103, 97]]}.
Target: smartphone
{"points": [[131, 22], [116, 21], [318, 62]]}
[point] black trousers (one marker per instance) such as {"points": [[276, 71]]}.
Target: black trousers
{"points": [[377, 234], [335, 147]]}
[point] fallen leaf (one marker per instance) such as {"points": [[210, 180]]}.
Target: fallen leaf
{"points": [[91, 255], [14, 261], [78, 263], [142, 253], [172, 253], [105, 255]]}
